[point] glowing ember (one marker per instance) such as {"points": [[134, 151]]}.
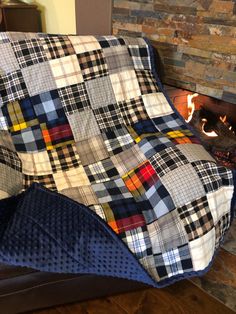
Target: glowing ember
{"points": [[191, 106], [223, 119]]}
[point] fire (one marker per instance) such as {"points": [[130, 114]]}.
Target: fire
{"points": [[223, 119], [191, 106]]}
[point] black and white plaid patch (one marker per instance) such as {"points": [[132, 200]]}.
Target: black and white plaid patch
{"points": [[111, 191], [208, 173], [45, 180], [57, 47], [174, 262], [92, 64], [140, 57], [110, 41], [197, 218], [167, 160], [133, 110], [74, 98], [13, 87], [147, 82], [10, 159], [29, 52], [101, 171], [108, 117], [117, 140]]}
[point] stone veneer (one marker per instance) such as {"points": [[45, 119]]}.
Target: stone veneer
{"points": [[196, 40]]}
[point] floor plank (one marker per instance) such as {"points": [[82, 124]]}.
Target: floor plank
{"points": [[182, 297]]}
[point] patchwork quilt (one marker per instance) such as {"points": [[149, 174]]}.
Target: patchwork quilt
{"points": [[98, 172]]}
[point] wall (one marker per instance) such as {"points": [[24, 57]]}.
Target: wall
{"points": [[58, 16], [196, 40]]}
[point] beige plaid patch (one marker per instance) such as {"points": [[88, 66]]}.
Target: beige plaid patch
{"points": [[202, 250], [84, 43], [92, 150], [156, 105], [72, 178], [66, 71], [125, 85], [82, 194], [35, 163], [128, 159]]}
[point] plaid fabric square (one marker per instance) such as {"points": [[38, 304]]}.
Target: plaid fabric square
{"points": [[156, 105], [6, 140], [63, 158], [101, 171], [92, 150], [20, 115], [66, 71], [74, 98], [29, 139], [147, 82], [138, 241], [12, 87], [140, 57], [110, 41], [183, 184], [92, 64], [71, 178], [8, 61], [3, 121], [111, 191], [167, 160], [29, 52], [83, 44], [10, 159], [167, 232], [140, 179], [108, 117], [39, 79], [35, 164], [117, 140], [82, 194], [168, 123], [144, 127], [133, 110], [4, 38], [221, 228], [153, 144], [124, 215], [57, 133], [196, 217], [84, 125], [125, 85], [129, 159], [208, 172], [98, 210], [202, 250], [46, 180], [174, 262], [11, 182], [57, 47], [48, 106], [100, 92], [194, 152], [118, 59], [160, 200]]}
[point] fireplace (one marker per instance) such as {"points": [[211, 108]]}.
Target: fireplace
{"points": [[214, 121]]}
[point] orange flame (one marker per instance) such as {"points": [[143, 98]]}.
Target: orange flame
{"points": [[191, 106]]}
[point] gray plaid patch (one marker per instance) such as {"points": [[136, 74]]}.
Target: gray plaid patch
{"points": [[8, 61], [183, 184], [117, 58], [39, 78], [167, 232], [100, 92]]}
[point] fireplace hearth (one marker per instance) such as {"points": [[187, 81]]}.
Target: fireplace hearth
{"points": [[214, 121]]}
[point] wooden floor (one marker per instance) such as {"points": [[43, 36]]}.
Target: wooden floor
{"points": [[185, 297]]}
